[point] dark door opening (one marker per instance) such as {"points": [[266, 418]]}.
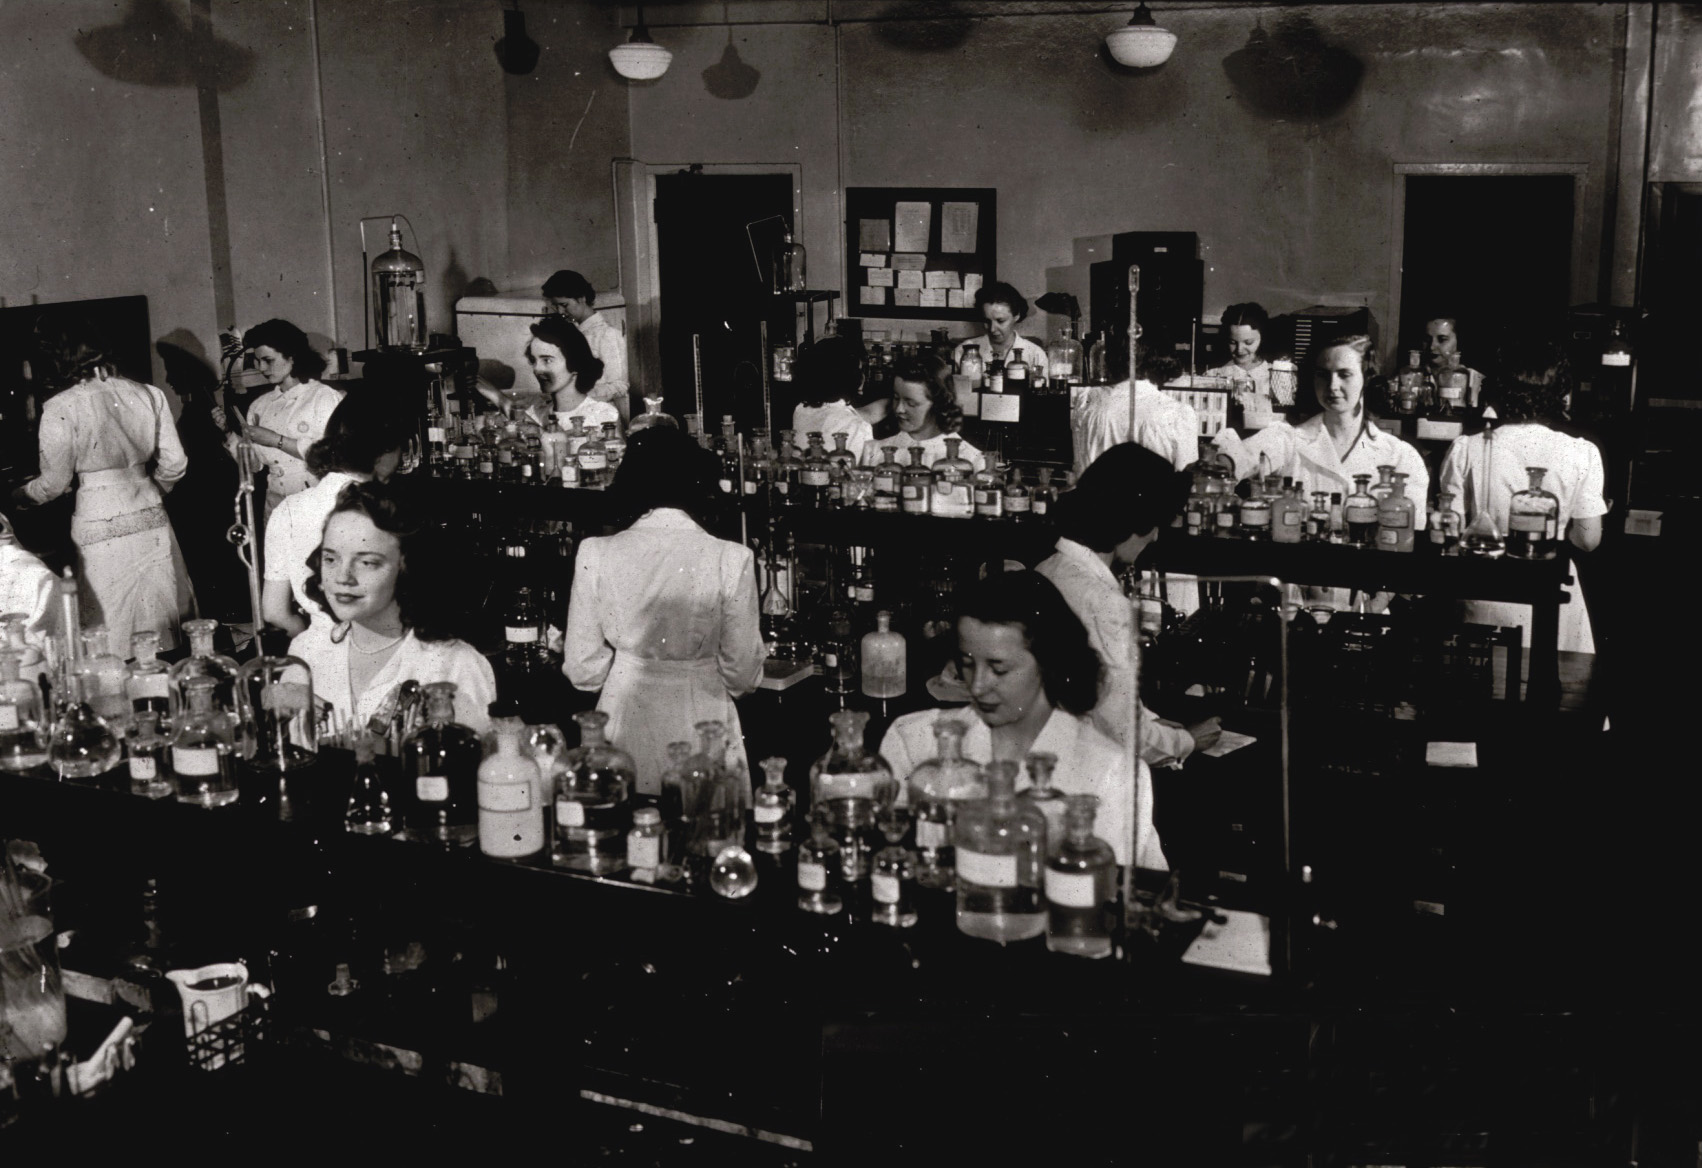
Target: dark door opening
{"points": [[1492, 251], [711, 287]]}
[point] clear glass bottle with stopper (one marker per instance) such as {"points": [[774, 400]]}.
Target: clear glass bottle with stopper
{"points": [[1446, 525], [368, 811], [885, 661], [892, 874], [149, 684], [147, 756], [1001, 851], [1360, 512], [106, 679], [1533, 520], [952, 492], [1396, 518], [1081, 885], [852, 786], [81, 744], [818, 857], [592, 799], [938, 787], [790, 260], [1043, 796], [23, 729], [716, 800], [772, 807], [203, 749], [203, 661], [440, 769]]}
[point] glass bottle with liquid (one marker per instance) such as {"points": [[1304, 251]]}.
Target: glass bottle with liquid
{"points": [[1318, 518], [1043, 796], [440, 768], [1410, 386], [1360, 513], [839, 655], [937, 788], [715, 796], [203, 662], [1255, 515], [887, 473], [368, 810], [784, 472], [592, 459], [592, 799], [1482, 537], [771, 808], [1446, 524], [1288, 514], [1338, 518], [884, 660], [1396, 518], [1533, 520], [510, 792], [1453, 386], [279, 729], [952, 493], [852, 786], [647, 844], [988, 486], [81, 745], [614, 447], [816, 477], [818, 858], [1018, 499], [203, 749], [149, 685], [1081, 885], [1000, 847], [1385, 483], [1044, 494], [892, 874], [790, 259], [106, 678], [916, 485], [147, 756], [23, 731]]}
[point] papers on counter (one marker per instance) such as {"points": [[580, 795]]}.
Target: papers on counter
{"points": [[1450, 754], [1227, 742], [1242, 944]]}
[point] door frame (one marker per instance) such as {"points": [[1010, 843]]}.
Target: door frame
{"points": [[635, 186], [1580, 172]]}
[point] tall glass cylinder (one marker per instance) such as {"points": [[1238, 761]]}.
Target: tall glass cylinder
{"points": [[276, 706], [398, 296]]}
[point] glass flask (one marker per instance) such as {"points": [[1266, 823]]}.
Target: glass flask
{"points": [[952, 492], [1081, 885], [106, 678], [23, 735], [937, 788], [592, 799], [203, 749], [915, 484], [1001, 851], [771, 808], [1360, 513], [852, 786], [510, 794], [886, 479], [815, 477], [1533, 520], [398, 296], [276, 700], [81, 745], [1446, 524], [818, 856], [1288, 514], [149, 685], [892, 874], [1482, 538], [1396, 518], [203, 662], [1043, 796], [368, 810], [732, 873], [440, 767], [884, 660], [647, 842], [1018, 499], [147, 756]]}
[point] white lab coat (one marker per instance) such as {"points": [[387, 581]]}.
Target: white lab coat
{"points": [[1093, 594], [663, 619], [294, 533], [1088, 764], [301, 412], [325, 648], [1099, 420], [828, 419], [28, 586], [608, 345], [1307, 453], [933, 449], [1484, 470]]}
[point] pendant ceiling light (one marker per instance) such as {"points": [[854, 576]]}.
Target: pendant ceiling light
{"points": [[640, 59], [1141, 44]]}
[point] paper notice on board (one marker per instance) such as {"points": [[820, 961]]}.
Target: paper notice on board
{"points": [[907, 297], [972, 282], [911, 225], [910, 280], [933, 298], [880, 277], [958, 298], [874, 235], [959, 225], [939, 280], [871, 295], [909, 262], [870, 259]]}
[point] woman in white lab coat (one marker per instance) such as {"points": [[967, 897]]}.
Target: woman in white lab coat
{"points": [[1033, 683], [375, 574], [925, 413], [830, 375], [1244, 327], [663, 616], [1002, 308], [1528, 387]]}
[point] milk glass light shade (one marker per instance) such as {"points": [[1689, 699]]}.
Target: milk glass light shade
{"points": [[1141, 44], [640, 59]]}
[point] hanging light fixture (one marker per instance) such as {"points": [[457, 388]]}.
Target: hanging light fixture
{"points": [[1141, 44], [640, 59]]}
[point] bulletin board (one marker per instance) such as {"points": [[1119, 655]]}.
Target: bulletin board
{"points": [[919, 253]]}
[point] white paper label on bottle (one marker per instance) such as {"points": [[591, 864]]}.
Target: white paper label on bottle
{"points": [[1040, 507], [863, 592], [570, 813], [830, 660], [570, 474], [1291, 518], [1226, 518], [1255, 517], [782, 486], [431, 789], [505, 796], [912, 491], [750, 486], [1070, 889], [1388, 537], [1015, 503], [8, 716], [1527, 524], [1616, 358], [930, 834], [434, 433], [142, 767], [148, 685], [195, 760], [815, 478], [643, 851], [726, 486], [985, 870], [1398, 519], [1453, 393], [521, 635], [593, 460], [1362, 514], [765, 814], [885, 886], [811, 877]]}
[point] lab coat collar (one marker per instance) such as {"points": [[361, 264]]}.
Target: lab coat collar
{"points": [[1057, 737], [1088, 561], [1318, 447], [665, 519]]}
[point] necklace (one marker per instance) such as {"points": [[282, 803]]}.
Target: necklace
{"points": [[355, 645]]}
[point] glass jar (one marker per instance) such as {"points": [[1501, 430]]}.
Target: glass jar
{"points": [[440, 767], [1000, 854], [1081, 886], [937, 788], [1533, 520], [591, 799], [276, 702], [916, 484], [203, 749], [951, 492], [852, 786]]}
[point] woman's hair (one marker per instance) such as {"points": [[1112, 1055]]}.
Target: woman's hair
{"points": [[290, 342], [575, 349], [362, 429], [831, 370], [1307, 404], [1069, 668], [934, 372], [570, 286], [1128, 490], [1529, 380], [420, 597], [67, 352], [664, 467], [1252, 315], [1157, 367], [999, 292]]}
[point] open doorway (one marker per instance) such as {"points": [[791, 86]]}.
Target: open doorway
{"points": [[1494, 250]]}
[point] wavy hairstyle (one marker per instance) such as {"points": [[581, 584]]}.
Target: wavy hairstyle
{"points": [[664, 467], [933, 372], [830, 370], [999, 292], [575, 349], [362, 430], [68, 352], [306, 363], [421, 601], [1069, 668], [1529, 380], [1126, 491], [1307, 404]]}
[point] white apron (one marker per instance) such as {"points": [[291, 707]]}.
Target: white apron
{"points": [[131, 566]]}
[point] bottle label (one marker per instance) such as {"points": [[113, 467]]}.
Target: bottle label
{"points": [[570, 474], [526, 470], [142, 768], [643, 851], [486, 468], [726, 486], [750, 486], [8, 716], [815, 478], [912, 491], [1070, 889], [930, 834], [812, 877], [1362, 513], [1226, 518], [765, 814], [985, 870], [1527, 523], [195, 760], [148, 685], [434, 433], [1195, 520], [1040, 506], [782, 486], [830, 660], [521, 635], [1396, 519], [570, 813], [1616, 358], [1291, 518], [432, 789], [1453, 393], [1255, 517], [593, 460], [885, 887], [862, 592], [1015, 503], [505, 796]]}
